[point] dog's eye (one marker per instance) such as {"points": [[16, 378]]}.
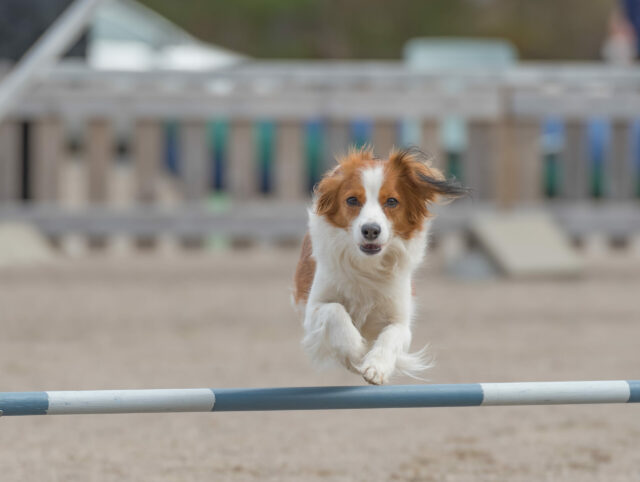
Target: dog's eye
{"points": [[391, 202], [353, 201]]}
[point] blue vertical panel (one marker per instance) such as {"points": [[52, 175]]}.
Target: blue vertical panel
{"points": [[172, 147], [598, 140], [361, 130]]}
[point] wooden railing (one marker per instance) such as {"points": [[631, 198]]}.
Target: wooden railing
{"points": [[113, 115]]}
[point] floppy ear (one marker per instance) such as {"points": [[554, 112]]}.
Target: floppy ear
{"points": [[426, 181], [326, 193]]}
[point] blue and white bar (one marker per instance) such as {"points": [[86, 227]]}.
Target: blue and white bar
{"points": [[317, 398]]}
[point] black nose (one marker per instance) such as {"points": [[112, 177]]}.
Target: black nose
{"points": [[371, 231]]}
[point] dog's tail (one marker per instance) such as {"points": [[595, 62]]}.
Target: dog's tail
{"points": [[413, 364]]}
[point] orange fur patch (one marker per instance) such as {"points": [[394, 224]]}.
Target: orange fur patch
{"points": [[341, 183], [305, 271], [404, 179]]}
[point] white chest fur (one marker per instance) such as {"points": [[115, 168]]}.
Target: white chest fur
{"points": [[375, 290]]}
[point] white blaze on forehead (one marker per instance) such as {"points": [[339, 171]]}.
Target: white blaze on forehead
{"points": [[372, 212], [372, 179]]}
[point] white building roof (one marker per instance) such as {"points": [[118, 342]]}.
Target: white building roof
{"points": [[125, 35]]}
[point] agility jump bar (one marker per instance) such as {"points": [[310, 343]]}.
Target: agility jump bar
{"points": [[317, 398]]}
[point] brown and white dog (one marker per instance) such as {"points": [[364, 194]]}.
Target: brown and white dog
{"points": [[368, 230]]}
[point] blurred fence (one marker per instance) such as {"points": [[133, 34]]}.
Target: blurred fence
{"points": [[564, 136]]}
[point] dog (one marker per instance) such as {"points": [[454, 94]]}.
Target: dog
{"points": [[367, 233]]}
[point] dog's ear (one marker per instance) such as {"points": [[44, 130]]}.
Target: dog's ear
{"points": [[326, 192], [427, 182]]}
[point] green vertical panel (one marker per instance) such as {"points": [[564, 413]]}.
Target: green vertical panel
{"points": [[218, 135], [599, 135], [597, 180], [265, 137], [454, 142], [552, 145], [552, 175], [314, 147], [454, 165], [219, 201]]}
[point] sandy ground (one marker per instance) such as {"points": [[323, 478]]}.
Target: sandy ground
{"points": [[224, 320]]}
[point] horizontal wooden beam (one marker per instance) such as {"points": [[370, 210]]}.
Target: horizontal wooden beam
{"points": [[251, 105], [360, 72], [273, 220], [342, 90]]}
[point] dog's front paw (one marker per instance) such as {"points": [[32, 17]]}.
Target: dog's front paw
{"points": [[376, 369], [375, 376]]}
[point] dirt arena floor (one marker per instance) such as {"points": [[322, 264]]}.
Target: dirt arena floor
{"points": [[224, 320]]}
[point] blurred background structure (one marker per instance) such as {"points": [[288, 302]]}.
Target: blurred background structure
{"points": [[143, 131], [172, 134]]}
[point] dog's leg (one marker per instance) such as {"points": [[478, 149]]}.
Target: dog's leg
{"points": [[330, 333], [378, 365]]}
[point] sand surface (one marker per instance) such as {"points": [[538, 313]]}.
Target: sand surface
{"points": [[224, 320]]}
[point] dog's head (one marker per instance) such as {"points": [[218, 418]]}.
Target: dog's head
{"points": [[378, 200]]}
